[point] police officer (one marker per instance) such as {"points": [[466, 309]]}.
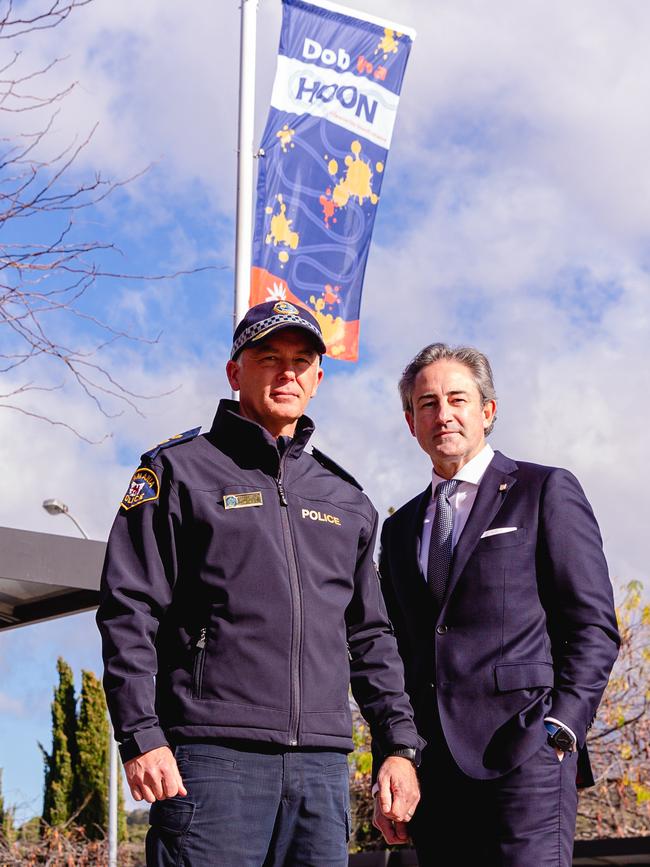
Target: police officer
{"points": [[239, 600]]}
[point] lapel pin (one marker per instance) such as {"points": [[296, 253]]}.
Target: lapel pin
{"points": [[503, 486]]}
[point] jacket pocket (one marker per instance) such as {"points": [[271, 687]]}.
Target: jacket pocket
{"points": [[503, 540], [199, 664], [523, 675]]}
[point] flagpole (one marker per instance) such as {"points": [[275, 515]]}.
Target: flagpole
{"points": [[245, 148]]}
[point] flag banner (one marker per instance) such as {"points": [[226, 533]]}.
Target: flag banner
{"points": [[322, 161]]}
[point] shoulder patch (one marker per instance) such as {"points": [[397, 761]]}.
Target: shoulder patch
{"points": [[333, 467], [172, 441], [143, 487]]}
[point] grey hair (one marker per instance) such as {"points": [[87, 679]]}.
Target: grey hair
{"points": [[476, 362]]}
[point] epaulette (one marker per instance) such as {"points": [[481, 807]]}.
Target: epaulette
{"points": [[172, 441], [333, 467]]}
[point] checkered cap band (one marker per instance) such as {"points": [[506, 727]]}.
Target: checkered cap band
{"points": [[257, 329]]}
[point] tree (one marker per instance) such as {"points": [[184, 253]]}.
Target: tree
{"points": [[76, 771], [59, 795], [619, 741], [47, 264], [92, 768]]}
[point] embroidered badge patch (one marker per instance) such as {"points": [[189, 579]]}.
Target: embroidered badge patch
{"points": [[144, 486], [241, 501]]}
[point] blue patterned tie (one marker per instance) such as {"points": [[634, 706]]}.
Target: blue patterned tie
{"points": [[440, 549]]}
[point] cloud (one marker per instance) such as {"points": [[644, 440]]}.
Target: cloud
{"points": [[91, 478], [514, 216], [160, 83], [11, 706]]}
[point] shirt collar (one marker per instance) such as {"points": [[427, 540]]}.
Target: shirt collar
{"points": [[472, 471]]}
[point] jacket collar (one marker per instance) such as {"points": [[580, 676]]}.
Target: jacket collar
{"points": [[250, 444]]}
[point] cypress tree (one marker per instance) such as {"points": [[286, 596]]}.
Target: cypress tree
{"points": [[92, 767], [58, 798]]}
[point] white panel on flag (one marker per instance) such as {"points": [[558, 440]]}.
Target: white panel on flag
{"points": [[341, 97]]}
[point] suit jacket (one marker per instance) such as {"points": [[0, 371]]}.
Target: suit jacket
{"points": [[527, 628]]}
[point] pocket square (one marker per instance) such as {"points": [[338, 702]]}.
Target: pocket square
{"points": [[497, 531]]}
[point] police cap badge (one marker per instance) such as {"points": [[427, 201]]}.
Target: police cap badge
{"points": [[270, 316]]}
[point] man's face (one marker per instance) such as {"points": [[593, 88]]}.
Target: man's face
{"points": [[276, 379], [449, 418]]}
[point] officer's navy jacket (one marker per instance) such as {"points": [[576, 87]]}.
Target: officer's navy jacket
{"points": [[239, 599]]}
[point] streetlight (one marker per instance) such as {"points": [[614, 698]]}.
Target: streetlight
{"points": [[56, 507]]}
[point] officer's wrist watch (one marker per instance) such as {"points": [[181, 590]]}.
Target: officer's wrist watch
{"points": [[559, 737], [411, 753]]}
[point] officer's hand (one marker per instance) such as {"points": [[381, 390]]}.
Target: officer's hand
{"points": [[393, 833], [399, 791], [154, 776]]}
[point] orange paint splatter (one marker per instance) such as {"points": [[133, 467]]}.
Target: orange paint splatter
{"points": [[331, 294], [328, 206]]}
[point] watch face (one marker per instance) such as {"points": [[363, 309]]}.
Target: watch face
{"points": [[563, 740]]}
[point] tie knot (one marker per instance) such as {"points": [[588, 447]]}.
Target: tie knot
{"points": [[447, 489]]}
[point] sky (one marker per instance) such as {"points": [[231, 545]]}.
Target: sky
{"points": [[514, 215]]}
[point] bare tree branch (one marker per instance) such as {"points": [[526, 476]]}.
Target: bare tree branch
{"points": [[54, 423], [44, 283]]}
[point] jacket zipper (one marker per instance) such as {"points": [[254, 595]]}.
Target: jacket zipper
{"points": [[296, 605], [199, 662]]}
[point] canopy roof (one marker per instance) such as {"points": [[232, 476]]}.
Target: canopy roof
{"points": [[43, 576]]}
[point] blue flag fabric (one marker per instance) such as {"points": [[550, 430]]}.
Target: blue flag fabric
{"points": [[323, 157]]}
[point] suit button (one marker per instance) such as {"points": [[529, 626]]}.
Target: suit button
{"points": [[441, 629], [432, 685]]}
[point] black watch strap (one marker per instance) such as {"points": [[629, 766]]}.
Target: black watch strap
{"points": [[410, 753]]}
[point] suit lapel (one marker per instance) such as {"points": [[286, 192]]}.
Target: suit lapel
{"points": [[415, 532], [415, 586], [495, 485]]}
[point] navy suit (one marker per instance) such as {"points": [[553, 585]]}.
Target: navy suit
{"points": [[527, 629]]}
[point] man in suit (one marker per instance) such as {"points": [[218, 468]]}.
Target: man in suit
{"points": [[499, 594]]}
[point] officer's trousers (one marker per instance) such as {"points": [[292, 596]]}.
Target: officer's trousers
{"points": [[246, 807]]}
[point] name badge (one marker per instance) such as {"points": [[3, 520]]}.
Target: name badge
{"points": [[242, 501]]}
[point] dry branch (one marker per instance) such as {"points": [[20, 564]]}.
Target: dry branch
{"points": [[44, 284]]}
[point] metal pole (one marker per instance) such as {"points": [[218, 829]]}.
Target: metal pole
{"points": [[77, 525], [245, 148], [112, 797]]}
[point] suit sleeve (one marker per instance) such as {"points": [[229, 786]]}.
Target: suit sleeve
{"points": [[577, 595], [136, 589], [376, 670]]}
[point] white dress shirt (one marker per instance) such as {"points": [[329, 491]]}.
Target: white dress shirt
{"points": [[462, 501]]}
